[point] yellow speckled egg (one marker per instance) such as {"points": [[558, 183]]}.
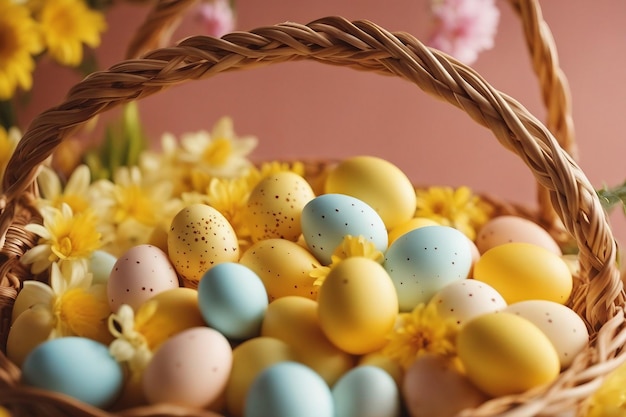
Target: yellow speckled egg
{"points": [[503, 354], [523, 271], [283, 266], [377, 182], [358, 305], [275, 205], [294, 320], [200, 237], [249, 359]]}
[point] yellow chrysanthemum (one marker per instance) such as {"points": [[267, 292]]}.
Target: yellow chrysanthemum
{"points": [[350, 246], [421, 331], [610, 399], [68, 24], [65, 237], [19, 40], [83, 312], [255, 175], [230, 197], [458, 208]]}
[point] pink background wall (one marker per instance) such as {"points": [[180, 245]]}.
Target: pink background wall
{"points": [[308, 109]]}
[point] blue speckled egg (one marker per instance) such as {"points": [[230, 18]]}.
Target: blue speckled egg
{"points": [[423, 261], [328, 218]]}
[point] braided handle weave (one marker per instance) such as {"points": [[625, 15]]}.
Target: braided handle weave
{"points": [[363, 45]]}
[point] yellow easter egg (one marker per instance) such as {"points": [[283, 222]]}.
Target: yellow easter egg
{"points": [[523, 271], [391, 366], [377, 182], [275, 204], [407, 226], [249, 359], [357, 305], [168, 313], [200, 237], [294, 320], [503, 354], [283, 266], [31, 328]]}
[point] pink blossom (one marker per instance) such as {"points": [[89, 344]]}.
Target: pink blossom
{"points": [[216, 16], [464, 28]]}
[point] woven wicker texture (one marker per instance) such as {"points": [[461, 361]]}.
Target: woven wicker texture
{"points": [[598, 294]]}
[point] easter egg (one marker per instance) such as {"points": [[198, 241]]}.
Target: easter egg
{"points": [[328, 218], [504, 354], [289, 389], [189, 369], [138, 274], [101, 264], [168, 313], [275, 205], [565, 329], [506, 229], [30, 329], [249, 359], [295, 321], [366, 391], [377, 182], [463, 300], [75, 366], [409, 225], [424, 260], [433, 386], [199, 238], [233, 300], [357, 305], [283, 266], [524, 271]]}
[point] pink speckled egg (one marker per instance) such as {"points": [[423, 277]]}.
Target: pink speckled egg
{"points": [[506, 229], [140, 273]]}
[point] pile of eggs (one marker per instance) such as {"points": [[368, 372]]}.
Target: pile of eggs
{"points": [[250, 334]]}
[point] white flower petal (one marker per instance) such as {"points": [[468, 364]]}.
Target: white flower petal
{"points": [[39, 230], [37, 253], [79, 181], [49, 183]]}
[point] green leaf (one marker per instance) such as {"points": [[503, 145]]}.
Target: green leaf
{"points": [[613, 196]]}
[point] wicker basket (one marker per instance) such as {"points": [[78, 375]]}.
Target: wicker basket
{"points": [[569, 201]]}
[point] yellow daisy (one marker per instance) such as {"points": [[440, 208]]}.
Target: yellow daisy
{"points": [[68, 24], [75, 193], [67, 238], [350, 246], [421, 331], [73, 306], [230, 197], [220, 153], [458, 208], [20, 40]]}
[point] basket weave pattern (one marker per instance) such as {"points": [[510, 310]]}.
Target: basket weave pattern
{"points": [[598, 295]]}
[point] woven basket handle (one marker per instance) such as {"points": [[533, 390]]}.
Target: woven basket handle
{"points": [[360, 45], [165, 16]]}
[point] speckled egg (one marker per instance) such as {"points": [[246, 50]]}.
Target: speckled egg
{"points": [[505, 229], [328, 218], [565, 329], [466, 299], [283, 266], [425, 260], [139, 274], [200, 237], [275, 205]]}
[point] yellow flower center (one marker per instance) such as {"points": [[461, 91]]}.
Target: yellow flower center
{"points": [[134, 203], [82, 313], [218, 152], [8, 41], [75, 237], [77, 203]]}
